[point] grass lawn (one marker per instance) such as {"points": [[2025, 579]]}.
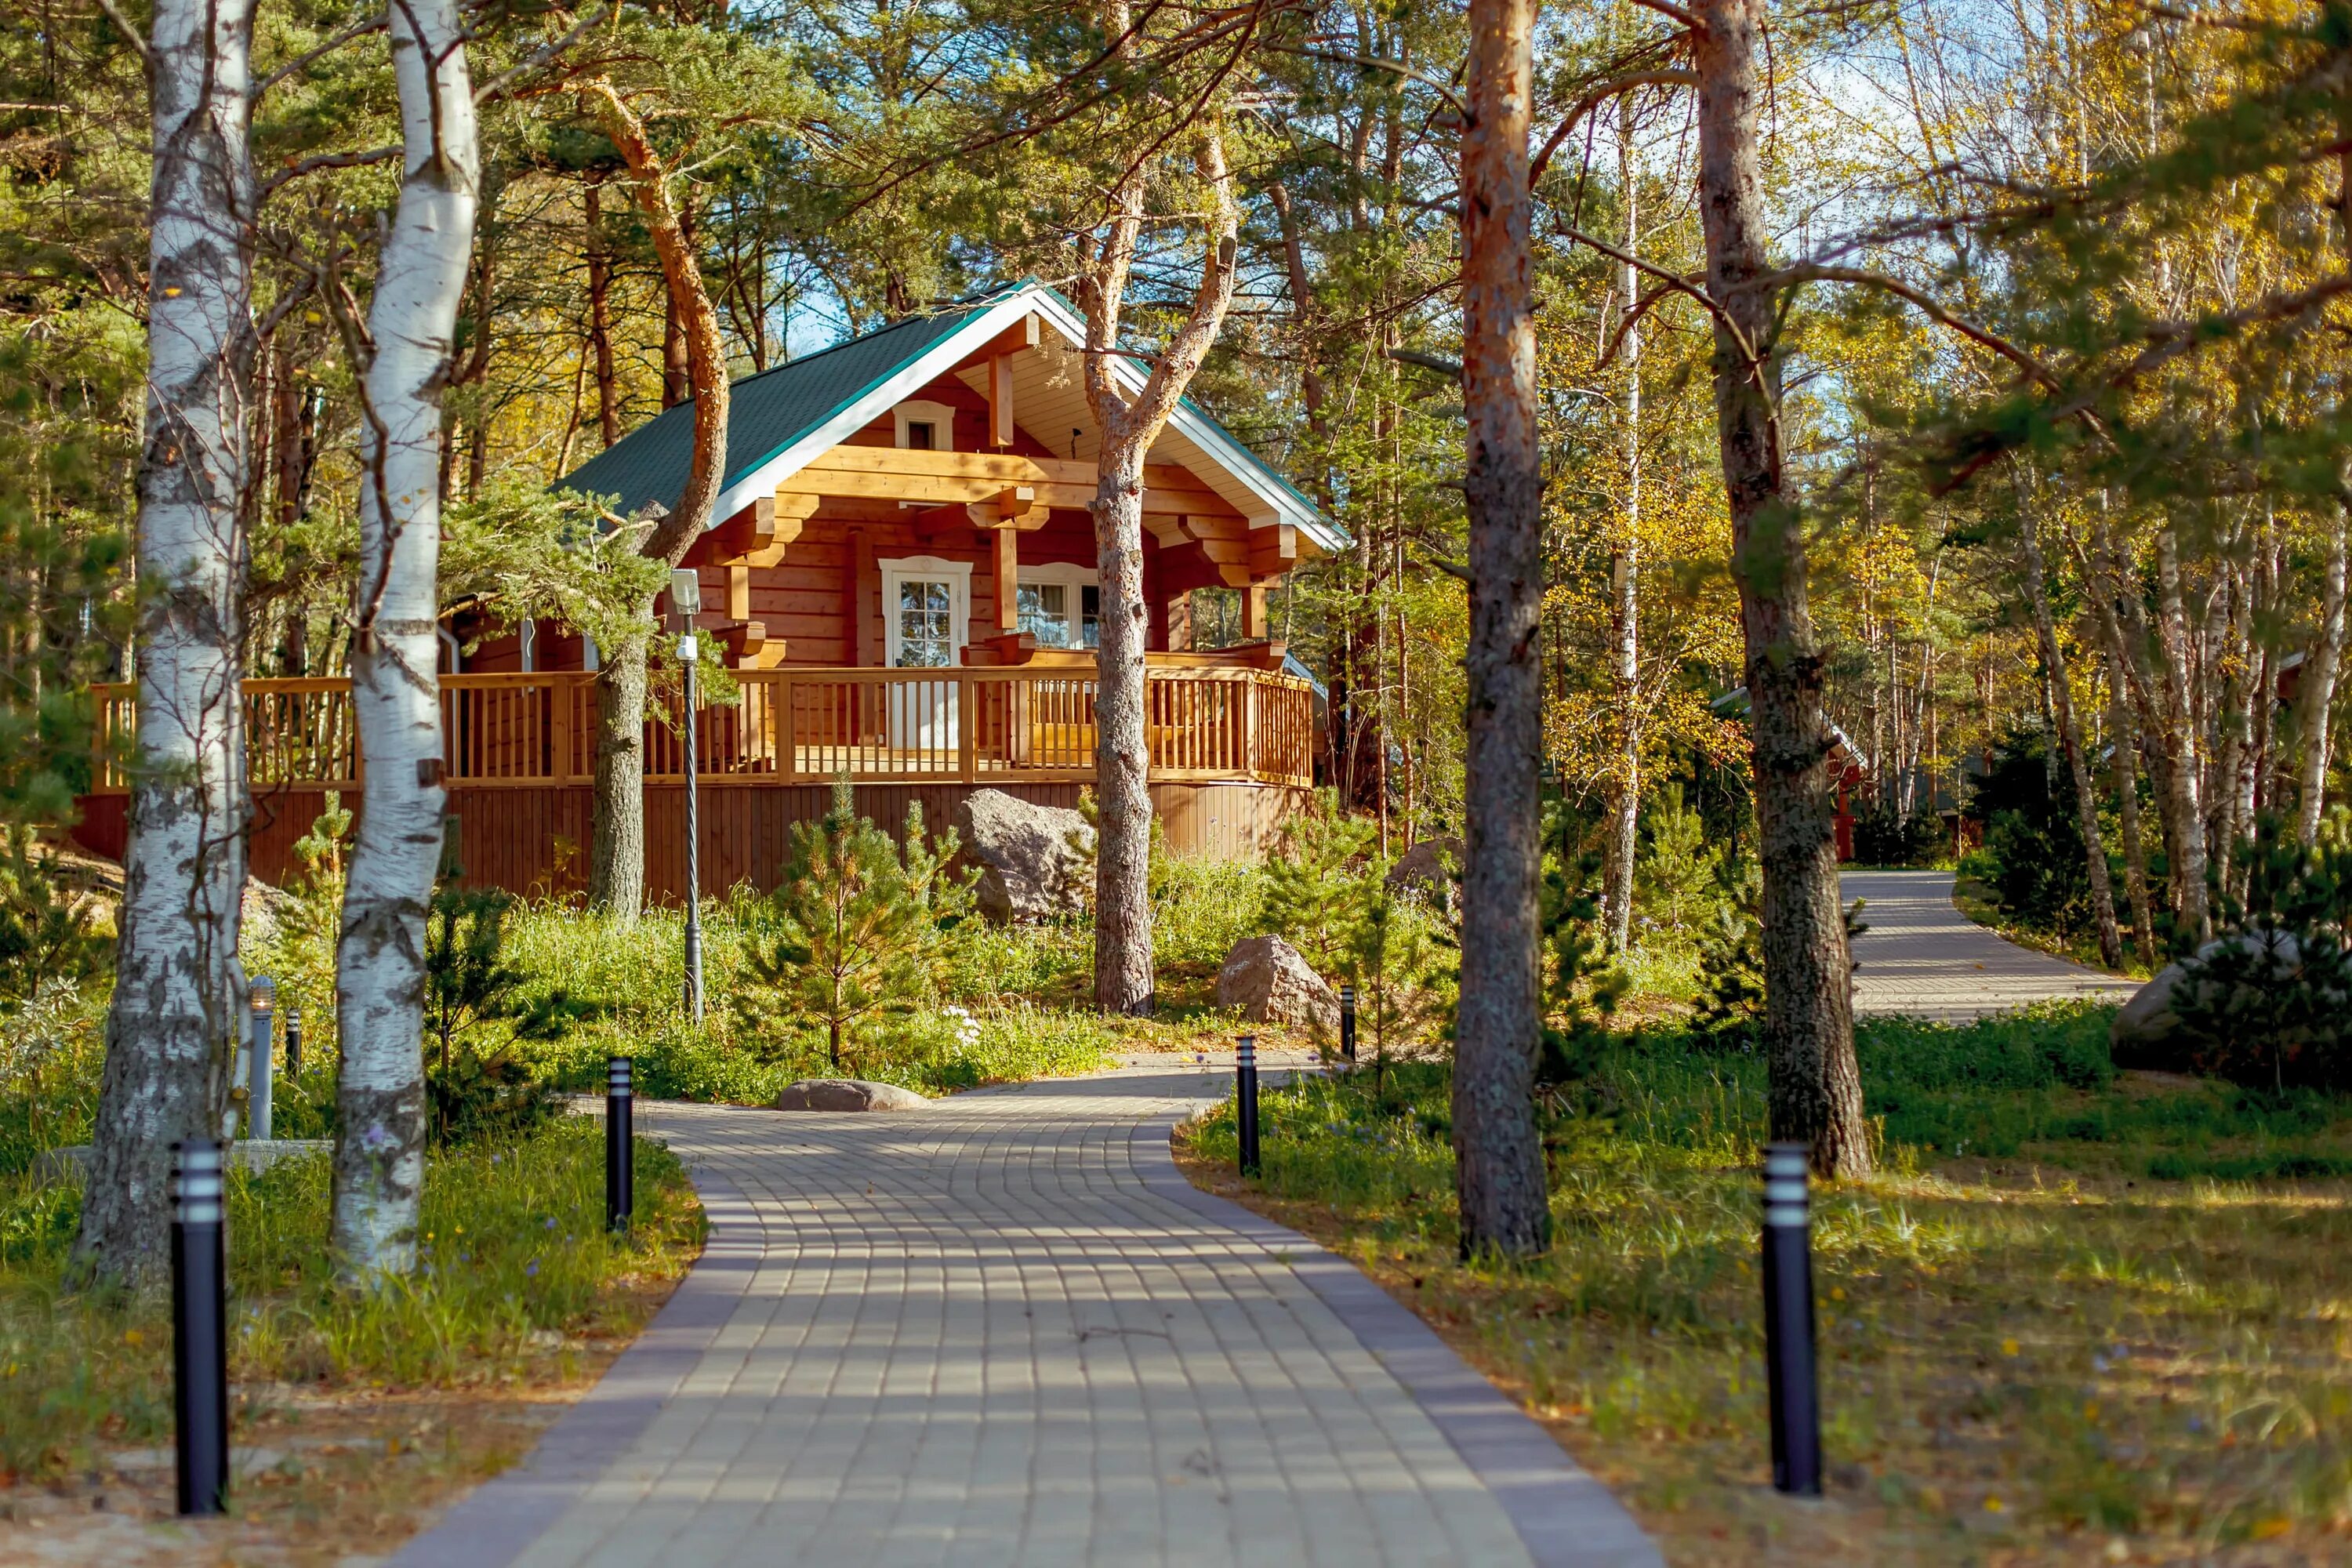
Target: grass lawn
{"points": [[366, 1409], [2083, 1317]]}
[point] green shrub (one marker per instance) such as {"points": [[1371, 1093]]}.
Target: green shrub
{"points": [[2271, 1002], [479, 1009], [861, 924]]}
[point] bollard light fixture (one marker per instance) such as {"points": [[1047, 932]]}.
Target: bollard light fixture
{"points": [[1791, 1374], [1245, 1100], [199, 1326]]}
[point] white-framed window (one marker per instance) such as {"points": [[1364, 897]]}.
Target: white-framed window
{"points": [[926, 611], [924, 427], [1059, 605]]}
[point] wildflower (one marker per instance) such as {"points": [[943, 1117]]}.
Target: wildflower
{"points": [[135, 1338], [2009, 1347], [1993, 1505], [530, 1269]]}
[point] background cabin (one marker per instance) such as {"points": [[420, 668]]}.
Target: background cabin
{"points": [[903, 583]]}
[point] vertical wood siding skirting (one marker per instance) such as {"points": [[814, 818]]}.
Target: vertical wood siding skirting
{"points": [[533, 841]]}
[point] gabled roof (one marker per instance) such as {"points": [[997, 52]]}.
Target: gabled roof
{"points": [[780, 420]]}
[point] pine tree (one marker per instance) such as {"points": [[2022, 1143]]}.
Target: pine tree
{"points": [[862, 923]]}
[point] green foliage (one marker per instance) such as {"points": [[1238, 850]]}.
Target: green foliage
{"points": [[2270, 1003], [529, 553], [2032, 858], [1677, 878], [1316, 889], [862, 926], [48, 933], [1884, 837], [1730, 1012], [1580, 990], [478, 1007]]}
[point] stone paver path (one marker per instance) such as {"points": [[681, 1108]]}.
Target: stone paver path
{"points": [[1005, 1330], [1923, 957]]}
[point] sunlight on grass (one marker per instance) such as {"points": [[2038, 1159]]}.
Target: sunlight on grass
{"points": [[2099, 1352], [517, 1267]]}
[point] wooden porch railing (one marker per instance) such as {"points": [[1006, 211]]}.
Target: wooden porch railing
{"points": [[793, 726]]}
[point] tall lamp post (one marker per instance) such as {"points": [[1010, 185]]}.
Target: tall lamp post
{"points": [[684, 603]]}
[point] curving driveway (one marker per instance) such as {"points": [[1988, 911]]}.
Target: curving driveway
{"points": [[1923, 957], [1005, 1329]]}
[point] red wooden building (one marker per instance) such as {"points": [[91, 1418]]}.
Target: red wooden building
{"points": [[903, 583]]}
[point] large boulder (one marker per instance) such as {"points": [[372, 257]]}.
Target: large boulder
{"points": [[1268, 980], [1036, 861], [847, 1094], [2147, 1032], [1423, 869]]}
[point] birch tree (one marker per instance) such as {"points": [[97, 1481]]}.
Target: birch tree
{"points": [[1619, 829], [1123, 956], [407, 352], [1499, 1179], [171, 1028]]}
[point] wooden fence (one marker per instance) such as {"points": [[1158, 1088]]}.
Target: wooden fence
{"points": [[977, 726]]}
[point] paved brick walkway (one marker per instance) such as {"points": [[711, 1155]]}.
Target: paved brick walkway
{"points": [[1923, 957], [1005, 1330]]}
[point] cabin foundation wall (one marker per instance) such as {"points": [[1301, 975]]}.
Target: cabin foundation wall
{"points": [[532, 840]]}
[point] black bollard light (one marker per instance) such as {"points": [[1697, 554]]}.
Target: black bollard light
{"points": [[199, 1326], [1245, 1100], [620, 1175], [1347, 1022], [293, 1042], [1790, 1370]]}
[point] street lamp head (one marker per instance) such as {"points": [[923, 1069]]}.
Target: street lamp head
{"points": [[686, 595], [262, 993]]}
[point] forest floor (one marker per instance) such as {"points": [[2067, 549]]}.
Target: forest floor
{"points": [[2112, 1331]]}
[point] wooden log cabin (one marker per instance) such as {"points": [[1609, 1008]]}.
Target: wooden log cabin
{"points": [[903, 585]]}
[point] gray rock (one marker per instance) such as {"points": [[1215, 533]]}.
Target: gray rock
{"points": [[847, 1094], [1035, 861], [2147, 1032], [1423, 869], [1268, 980]]}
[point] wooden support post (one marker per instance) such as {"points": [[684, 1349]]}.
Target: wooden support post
{"points": [[1254, 612], [738, 592], [1000, 401], [1008, 578], [864, 595], [967, 728]]}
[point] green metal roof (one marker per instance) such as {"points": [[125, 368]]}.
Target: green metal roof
{"points": [[771, 413], [765, 414]]}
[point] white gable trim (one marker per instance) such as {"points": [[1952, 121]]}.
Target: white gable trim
{"points": [[1277, 503]]}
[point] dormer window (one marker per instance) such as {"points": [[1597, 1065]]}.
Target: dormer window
{"points": [[924, 427]]}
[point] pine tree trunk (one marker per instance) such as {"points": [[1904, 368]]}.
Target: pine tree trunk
{"points": [[1499, 1178], [379, 1096], [1123, 944], [2070, 738], [2314, 694], [616, 830], [600, 314], [170, 1026], [617, 843], [1816, 1086], [1624, 803]]}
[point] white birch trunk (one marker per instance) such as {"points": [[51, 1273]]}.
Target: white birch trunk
{"points": [[395, 689], [2315, 689], [170, 1028], [1625, 610]]}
